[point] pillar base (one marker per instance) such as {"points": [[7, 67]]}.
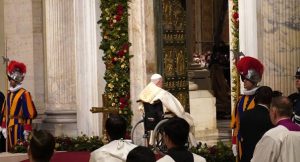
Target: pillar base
{"points": [[61, 123]]}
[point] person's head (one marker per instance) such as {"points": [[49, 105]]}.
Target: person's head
{"points": [[41, 147], [297, 77], [157, 80], [251, 70], [16, 72], [141, 154], [176, 132], [263, 95], [281, 107], [115, 127], [248, 85], [276, 94]]}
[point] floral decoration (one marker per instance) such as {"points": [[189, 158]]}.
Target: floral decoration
{"points": [[114, 26], [235, 88], [217, 153], [64, 143], [20, 147]]}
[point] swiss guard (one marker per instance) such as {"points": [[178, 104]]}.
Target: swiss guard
{"points": [[19, 111], [251, 71]]}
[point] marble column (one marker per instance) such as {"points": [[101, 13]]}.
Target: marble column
{"points": [[87, 57], [143, 63], [248, 28], [279, 42], [60, 67], [18, 29], [2, 49]]}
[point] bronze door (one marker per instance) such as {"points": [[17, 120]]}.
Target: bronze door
{"points": [[171, 47]]}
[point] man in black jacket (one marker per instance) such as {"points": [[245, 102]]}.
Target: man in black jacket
{"points": [[255, 122], [295, 98]]}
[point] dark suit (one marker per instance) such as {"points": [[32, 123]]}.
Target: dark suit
{"points": [[254, 124], [295, 99]]}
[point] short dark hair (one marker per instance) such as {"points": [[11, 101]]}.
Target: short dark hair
{"points": [[41, 145], [141, 154], [263, 95], [283, 105], [116, 127], [177, 129], [276, 93]]}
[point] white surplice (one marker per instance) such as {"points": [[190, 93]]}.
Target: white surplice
{"points": [[115, 151]]}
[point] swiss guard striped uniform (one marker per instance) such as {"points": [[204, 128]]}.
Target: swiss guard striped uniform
{"points": [[21, 111], [250, 70], [246, 102]]}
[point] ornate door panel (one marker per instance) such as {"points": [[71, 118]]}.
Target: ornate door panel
{"points": [[171, 47]]}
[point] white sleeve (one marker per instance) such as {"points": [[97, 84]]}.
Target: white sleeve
{"points": [[266, 150], [166, 158]]}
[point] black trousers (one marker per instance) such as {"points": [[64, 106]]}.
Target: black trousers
{"points": [[2, 143]]}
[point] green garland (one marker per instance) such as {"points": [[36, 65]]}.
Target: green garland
{"points": [[114, 26], [235, 49], [65, 143]]}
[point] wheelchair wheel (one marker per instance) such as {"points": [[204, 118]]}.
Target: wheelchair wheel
{"points": [[133, 135], [157, 138]]}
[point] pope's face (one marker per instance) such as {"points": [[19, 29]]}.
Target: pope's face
{"points": [[159, 83]]}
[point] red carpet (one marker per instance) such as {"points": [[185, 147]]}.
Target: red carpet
{"points": [[69, 157]]}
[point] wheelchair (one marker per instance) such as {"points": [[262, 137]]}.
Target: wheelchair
{"points": [[153, 122]]}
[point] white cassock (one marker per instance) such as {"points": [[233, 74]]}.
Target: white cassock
{"points": [[167, 158], [278, 145], [170, 103], [115, 151]]}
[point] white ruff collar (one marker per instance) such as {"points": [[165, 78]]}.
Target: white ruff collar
{"points": [[16, 88], [250, 92]]}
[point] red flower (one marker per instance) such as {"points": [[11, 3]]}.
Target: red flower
{"points": [[120, 9], [118, 18], [114, 60], [235, 16], [121, 53], [126, 47], [122, 106], [122, 100]]}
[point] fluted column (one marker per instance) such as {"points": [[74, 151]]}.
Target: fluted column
{"points": [[143, 64], [87, 57], [2, 49], [60, 66], [248, 27], [279, 42]]}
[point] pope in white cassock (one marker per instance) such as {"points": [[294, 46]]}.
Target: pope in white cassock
{"points": [[154, 92]]}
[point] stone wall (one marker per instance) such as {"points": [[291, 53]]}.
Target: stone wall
{"points": [[279, 42], [23, 29]]}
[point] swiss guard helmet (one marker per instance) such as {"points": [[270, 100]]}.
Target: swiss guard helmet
{"points": [[251, 69], [16, 71]]}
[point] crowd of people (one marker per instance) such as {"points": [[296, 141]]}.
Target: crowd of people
{"points": [[266, 124]]}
